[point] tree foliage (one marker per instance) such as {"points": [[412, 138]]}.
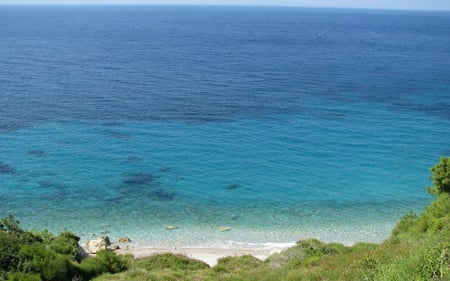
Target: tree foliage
{"points": [[440, 177]]}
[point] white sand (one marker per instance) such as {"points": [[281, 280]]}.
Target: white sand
{"points": [[208, 255]]}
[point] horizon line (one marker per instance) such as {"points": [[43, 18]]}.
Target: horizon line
{"points": [[218, 5]]}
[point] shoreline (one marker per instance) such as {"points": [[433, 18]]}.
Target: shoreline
{"points": [[215, 245], [209, 255]]}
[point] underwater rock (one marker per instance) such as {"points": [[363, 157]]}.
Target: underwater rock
{"points": [[37, 153], [133, 159], [6, 169], [49, 184], [144, 185], [36, 174], [124, 240], [165, 169], [140, 179], [225, 229], [234, 216], [162, 195], [232, 186], [101, 243]]}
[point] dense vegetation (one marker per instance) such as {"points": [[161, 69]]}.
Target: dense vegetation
{"points": [[30, 256], [418, 249]]}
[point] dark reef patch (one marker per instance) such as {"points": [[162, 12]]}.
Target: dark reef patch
{"points": [[37, 153], [162, 195], [50, 184], [134, 159], [140, 179], [145, 186], [36, 174], [232, 186], [165, 169], [6, 169]]}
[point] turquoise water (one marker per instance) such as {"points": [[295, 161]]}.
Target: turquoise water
{"points": [[273, 179], [278, 147]]}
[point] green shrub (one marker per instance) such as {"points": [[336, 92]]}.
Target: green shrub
{"points": [[115, 262], [437, 213], [170, 261], [38, 259], [440, 177], [237, 264], [289, 258], [9, 245], [436, 262], [10, 225], [20, 276], [104, 262], [66, 244], [91, 267]]}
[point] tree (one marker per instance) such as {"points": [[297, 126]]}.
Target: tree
{"points": [[10, 225], [440, 176]]}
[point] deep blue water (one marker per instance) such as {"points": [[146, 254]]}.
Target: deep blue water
{"points": [[280, 123]]}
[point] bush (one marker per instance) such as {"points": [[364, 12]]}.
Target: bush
{"points": [[38, 259], [66, 244], [104, 262], [10, 225], [237, 264], [19, 276], [289, 258], [440, 177], [170, 261], [436, 262], [41, 256], [408, 224], [9, 245]]}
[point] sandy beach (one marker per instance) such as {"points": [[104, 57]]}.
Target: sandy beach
{"points": [[209, 255]]}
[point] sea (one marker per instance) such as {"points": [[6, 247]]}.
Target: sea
{"points": [[220, 126]]}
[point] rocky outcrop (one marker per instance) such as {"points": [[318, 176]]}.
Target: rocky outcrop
{"points": [[101, 243]]}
